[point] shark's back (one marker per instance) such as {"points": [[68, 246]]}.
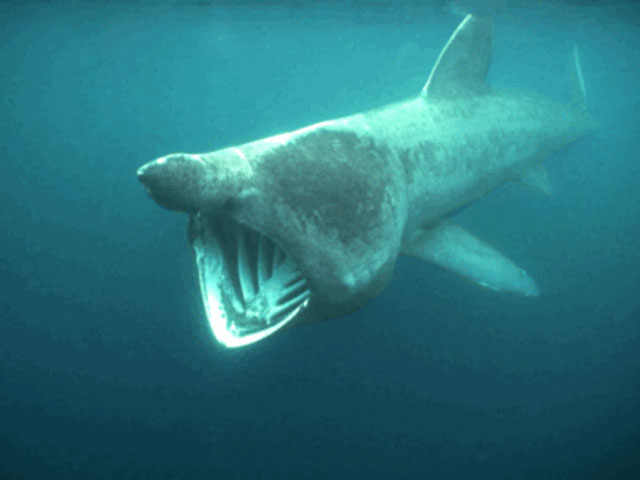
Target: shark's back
{"points": [[454, 150], [459, 138]]}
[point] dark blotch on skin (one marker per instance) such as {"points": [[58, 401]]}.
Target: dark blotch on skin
{"points": [[413, 159], [333, 179]]}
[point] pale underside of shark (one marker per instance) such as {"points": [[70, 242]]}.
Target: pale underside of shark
{"points": [[307, 225]]}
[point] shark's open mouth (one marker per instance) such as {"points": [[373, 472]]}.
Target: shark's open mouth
{"points": [[250, 287]]}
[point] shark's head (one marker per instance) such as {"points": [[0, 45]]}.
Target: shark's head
{"points": [[277, 240], [249, 285]]}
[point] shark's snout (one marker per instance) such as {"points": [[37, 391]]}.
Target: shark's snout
{"points": [[153, 176], [146, 177], [175, 181]]}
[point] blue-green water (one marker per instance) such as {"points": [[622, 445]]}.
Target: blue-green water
{"points": [[107, 365]]}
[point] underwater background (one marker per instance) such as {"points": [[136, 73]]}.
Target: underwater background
{"points": [[108, 368]]}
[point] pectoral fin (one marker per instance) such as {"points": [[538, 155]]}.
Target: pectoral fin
{"points": [[538, 179], [455, 249]]}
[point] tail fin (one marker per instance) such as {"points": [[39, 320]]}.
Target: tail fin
{"points": [[578, 90]]}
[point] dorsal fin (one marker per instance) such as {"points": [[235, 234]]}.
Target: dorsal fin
{"points": [[462, 66]]}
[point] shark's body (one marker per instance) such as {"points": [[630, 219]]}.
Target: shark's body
{"points": [[308, 224]]}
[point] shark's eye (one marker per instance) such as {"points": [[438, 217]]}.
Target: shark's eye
{"points": [[250, 286]]}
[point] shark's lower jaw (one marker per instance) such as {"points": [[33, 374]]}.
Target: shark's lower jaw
{"points": [[250, 287]]}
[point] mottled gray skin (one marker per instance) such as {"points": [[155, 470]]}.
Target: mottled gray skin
{"points": [[332, 199], [342, 196]]}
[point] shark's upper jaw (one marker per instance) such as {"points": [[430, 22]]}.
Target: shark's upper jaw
{"points": [[250, 287]]}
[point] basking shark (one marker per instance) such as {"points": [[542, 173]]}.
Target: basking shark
{"points": [[307, 225]]}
